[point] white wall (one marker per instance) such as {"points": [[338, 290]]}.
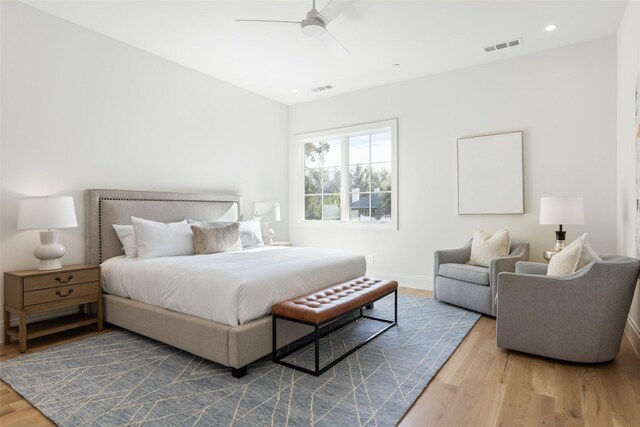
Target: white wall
{"points": [[628, 72], [81, 110], [563, 100]]}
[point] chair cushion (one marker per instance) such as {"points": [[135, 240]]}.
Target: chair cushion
{"points": [[485, 247], [465, 273]]}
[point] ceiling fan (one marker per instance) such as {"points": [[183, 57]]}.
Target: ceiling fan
{"points": [[315, 24]]}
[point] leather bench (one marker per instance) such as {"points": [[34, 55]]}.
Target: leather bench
{"points": [[323, 307]]}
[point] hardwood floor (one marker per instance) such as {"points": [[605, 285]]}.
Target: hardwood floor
{"points": [[480, 385], [484, 385]]}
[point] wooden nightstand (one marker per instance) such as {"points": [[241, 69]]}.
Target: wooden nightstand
{"points": [[35, 291], [281, 244]]}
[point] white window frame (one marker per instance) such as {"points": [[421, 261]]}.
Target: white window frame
{"points": [[343, 133]]}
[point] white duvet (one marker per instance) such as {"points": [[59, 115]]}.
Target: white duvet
{"points": [[232, 287]]}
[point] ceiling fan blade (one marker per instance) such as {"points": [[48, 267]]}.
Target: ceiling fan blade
{"points": [[269, 20], [335, 8], [333, 45]]}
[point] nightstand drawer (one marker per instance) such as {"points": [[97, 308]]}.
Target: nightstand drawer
{"points": [[60, 278], [61, 293]]}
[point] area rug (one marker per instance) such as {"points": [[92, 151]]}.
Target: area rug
{"points": [[123, 379]]}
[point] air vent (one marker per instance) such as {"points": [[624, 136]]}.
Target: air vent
{"points": [[322, 88], [502, 45]]}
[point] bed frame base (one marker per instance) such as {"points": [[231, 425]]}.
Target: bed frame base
{"points": [[239, 372], [235, 347]]}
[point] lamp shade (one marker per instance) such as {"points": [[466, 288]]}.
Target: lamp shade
{"points": [[561, 210], [39, 213], [267, 211]]}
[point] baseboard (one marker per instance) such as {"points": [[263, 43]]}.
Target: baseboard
{"points": [[406, 280], [42, 316], [633, 333]]}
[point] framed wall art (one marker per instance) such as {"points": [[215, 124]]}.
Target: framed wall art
{"points": [[490, 177]]}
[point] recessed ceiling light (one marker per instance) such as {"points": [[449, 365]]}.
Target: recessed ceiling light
{"points": [[293, 90], [550, 27]]}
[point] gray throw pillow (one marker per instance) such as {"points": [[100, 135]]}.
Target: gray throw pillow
{"points": [[211, 240], [250, 232]]}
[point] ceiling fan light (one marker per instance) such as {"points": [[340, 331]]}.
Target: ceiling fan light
{"points": [[313, 28]]}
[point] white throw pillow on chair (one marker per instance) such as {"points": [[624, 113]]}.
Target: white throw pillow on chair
{"points": [[572, 258], [485, 247]]}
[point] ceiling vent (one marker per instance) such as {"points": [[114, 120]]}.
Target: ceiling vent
{"points": [[502, 45], [322, 88]]}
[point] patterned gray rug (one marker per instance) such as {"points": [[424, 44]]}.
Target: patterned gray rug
{"points": [[123, 379]]}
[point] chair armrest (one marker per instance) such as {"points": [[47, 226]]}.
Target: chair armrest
{"points": [[445, 256], [458, 256], [525, 267], [508, 263], [504, 264]]}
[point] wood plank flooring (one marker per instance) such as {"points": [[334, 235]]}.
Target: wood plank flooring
{"points": [[480, 385], [484, 385]]}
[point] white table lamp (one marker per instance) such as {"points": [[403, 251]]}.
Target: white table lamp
{"points": [[38, 213], [560, 210], [267, 212]]}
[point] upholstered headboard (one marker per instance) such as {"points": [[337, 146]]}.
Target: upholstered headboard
{"points": [[103, 208]]}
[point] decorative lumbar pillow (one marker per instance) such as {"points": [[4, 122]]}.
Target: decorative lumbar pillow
{"points": [[157, 239], [486, 247], [128, 239], [250, 232], [572, 258], [211, 240]]}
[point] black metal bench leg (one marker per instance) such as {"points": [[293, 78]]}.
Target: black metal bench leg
{"points": [[273, 338], [239, 372], [395, 309], [317, 339]]}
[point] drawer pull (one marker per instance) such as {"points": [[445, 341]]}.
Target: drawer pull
{"points": [[65, 295], [58, 279]]}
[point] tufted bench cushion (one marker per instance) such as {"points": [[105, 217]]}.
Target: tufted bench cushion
{"points": [[321, 306]]}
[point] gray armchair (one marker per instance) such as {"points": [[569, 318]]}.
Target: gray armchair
{"points": [[578, 318], [470, 286]]}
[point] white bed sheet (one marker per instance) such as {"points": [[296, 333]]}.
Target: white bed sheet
{"points": [[231, 287]]}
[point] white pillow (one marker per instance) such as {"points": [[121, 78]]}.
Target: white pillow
{"points": [[572, 258], [250, 232], [128, 239], [486, 247], [157, 239]]}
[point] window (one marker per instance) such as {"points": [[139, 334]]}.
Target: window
{"points": [[349, 176]]}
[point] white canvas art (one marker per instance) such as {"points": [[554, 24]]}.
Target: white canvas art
{"points": [[490, 177]]}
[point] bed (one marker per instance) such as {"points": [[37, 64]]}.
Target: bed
{"points": [[233, 329]]}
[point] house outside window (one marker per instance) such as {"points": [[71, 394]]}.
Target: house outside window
{"points": [[348, 176]]}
